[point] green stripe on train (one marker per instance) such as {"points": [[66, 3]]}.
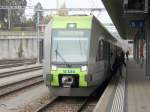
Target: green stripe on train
{"points": [[82, 22], [82, 74]]}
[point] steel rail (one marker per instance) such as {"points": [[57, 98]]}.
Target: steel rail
{"points": [[19, 71], [81, 105], [16, 86], [14, 64], [53, 99], [56, 99]]}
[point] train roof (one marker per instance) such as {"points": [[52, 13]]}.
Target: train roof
{"points": [[81, 22]]}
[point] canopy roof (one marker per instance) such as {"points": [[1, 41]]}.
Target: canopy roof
{"points": [[122, 20]]}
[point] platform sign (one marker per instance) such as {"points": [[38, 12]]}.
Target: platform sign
{"points": [[136, 23]]}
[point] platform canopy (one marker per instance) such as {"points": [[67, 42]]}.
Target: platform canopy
{"points": [[122, 20]]}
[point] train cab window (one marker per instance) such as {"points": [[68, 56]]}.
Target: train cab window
{"points": [[70, 45], [100, 51]]}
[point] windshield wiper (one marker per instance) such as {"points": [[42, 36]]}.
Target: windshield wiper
{"points": [[62, 58]]}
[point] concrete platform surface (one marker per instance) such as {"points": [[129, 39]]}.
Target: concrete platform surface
{"points": [[138, 88]]}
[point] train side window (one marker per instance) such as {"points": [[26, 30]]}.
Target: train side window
{"points": [[100, 51], [106, 53]]}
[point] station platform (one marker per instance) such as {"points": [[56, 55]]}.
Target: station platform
{"points": [[138, 88], [130, 93]]}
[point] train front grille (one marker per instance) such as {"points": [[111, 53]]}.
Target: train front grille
{"points": [[69, 80]]}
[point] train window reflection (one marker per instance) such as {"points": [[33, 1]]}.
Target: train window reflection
{"points": [[70, 47]]}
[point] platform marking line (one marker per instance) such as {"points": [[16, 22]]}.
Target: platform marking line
{"points": [[118, 101]]}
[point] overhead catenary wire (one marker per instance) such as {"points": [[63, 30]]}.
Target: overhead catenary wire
{"points": [[52, 9]]}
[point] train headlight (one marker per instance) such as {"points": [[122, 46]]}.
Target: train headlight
{"points": [[83, 68], [54, 67]]}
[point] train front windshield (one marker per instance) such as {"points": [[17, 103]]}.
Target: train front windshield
{"points": [[70, 45]]}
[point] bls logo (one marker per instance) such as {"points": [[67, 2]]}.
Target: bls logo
{"points": [[69, 71]]}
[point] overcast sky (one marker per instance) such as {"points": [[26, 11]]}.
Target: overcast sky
{"points": [[69, 3], [49, 4]]}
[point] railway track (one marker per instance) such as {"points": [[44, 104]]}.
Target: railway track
{"points": [[15, 63], [19, 71], [8, 61], [7, 89], [63, 104], [73, 104], [69, 104], [16, 79], [89, 105]]}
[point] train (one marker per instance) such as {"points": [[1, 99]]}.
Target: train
{"points": [[78, 55]]}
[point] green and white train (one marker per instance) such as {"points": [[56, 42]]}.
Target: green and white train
{"points": [[78, 55]]}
